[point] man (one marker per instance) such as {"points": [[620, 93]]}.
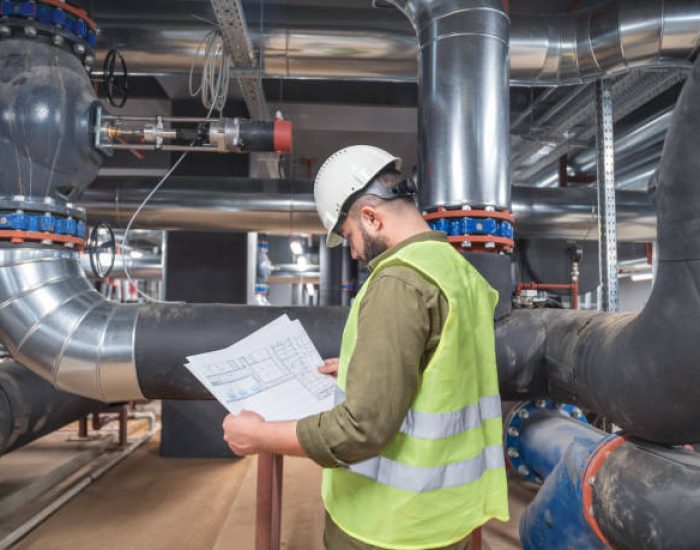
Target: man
{"points": [[412, 449]]}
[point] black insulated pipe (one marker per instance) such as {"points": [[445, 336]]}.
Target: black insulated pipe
{"points": [[646, 496], [31, 407], [166, 334], [639, 370]]}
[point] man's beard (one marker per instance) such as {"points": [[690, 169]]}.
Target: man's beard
{"points": [[372, 247]]}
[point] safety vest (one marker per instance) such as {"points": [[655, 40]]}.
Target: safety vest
{"points": [[443, 474]]}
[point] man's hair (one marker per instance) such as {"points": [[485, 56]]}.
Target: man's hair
{"points": [[389, 178]]}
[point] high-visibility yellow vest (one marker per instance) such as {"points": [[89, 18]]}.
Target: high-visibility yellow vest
{"points": [[443, 474]]}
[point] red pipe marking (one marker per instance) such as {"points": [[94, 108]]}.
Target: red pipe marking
{"points": [[595, 462], [19, 237], [442, 213]]}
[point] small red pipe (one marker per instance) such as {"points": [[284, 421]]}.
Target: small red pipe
{"points": [[573, 287]]}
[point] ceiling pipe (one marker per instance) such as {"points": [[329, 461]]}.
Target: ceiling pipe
{"points": [[645, 133], [638, 370], [609, 38]]}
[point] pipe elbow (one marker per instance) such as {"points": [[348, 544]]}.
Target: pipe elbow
{"points": [[56, 324]]}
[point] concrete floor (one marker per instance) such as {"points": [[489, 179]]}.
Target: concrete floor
{"points": [[151, 503]]}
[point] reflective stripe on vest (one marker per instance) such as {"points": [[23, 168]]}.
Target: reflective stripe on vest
{"points": [[439, 425], [420, 480]]}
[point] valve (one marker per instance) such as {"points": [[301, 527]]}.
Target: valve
{"points": [[101, 243]]}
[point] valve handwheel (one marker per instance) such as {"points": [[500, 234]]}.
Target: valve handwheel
{"points": [[101, 248], [115, 76]]}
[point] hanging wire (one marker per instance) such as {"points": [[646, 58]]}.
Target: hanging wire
{"points": [[216, 70], [141, 207]]}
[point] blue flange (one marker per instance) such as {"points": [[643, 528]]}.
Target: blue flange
{"points": [[48, 223], [513, 422], [50, 19]]}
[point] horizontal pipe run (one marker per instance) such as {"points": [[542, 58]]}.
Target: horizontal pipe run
{"points": [[568, 48], [287, 206]]}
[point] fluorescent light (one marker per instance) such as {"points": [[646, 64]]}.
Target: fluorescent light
{"points": [[302, 261], [296, 247], [136, 254], [639, 277]]}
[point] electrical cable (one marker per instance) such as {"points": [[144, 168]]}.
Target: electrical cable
{"points": [[141, 207], [216, 70]]}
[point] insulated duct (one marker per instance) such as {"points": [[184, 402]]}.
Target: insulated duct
{"points": [[31, 407], [55, 323], [548, 48], [641, 370]]}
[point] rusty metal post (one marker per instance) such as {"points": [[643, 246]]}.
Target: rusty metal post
{"points": [[268, 519], [123, 425], [83, 427]]}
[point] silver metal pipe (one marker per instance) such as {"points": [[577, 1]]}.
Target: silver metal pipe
{"points": [[568, 213], [55, 323], [148, 266], [463, 102], [544, 48], [648, 131]]}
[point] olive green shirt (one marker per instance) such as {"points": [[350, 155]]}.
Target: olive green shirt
{"points": [[398, 329]]}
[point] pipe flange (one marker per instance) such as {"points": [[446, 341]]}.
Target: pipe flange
{"points": [[63, 25], [514, 420], [487, 230], [45, 205]]}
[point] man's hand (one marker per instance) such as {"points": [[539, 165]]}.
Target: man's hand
{"points": [[241, 432], [330, 367]]}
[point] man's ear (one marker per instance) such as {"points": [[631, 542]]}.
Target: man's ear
{"points": [[371, 216]]}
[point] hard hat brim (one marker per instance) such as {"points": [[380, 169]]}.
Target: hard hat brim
{"points": [[333, 239]]}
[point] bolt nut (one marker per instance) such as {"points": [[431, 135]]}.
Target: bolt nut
{"points": [[58, 40], [513, 431], [3, 220], [591, 480], [523, 470], [5, 31], [513, 452], [89, 59], [30, 31], [79, 49], [590, 511], [541, 404], [523, 413]]}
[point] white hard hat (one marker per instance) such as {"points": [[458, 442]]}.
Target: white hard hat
{"points": [[343, 174]]}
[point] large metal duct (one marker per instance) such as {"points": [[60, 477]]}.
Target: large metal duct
{"points": [[463, 115], [544, 48], [261, 205], [638, 370]]}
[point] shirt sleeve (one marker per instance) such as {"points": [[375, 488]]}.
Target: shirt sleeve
{"points": [[382, 379]]}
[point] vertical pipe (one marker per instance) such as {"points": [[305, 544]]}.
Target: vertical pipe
{"points": [[330, 260], [464, 146], [348, 277], [607, 232]]}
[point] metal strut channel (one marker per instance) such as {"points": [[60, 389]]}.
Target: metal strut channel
{"points": [[239, 46], [606, 196]]}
